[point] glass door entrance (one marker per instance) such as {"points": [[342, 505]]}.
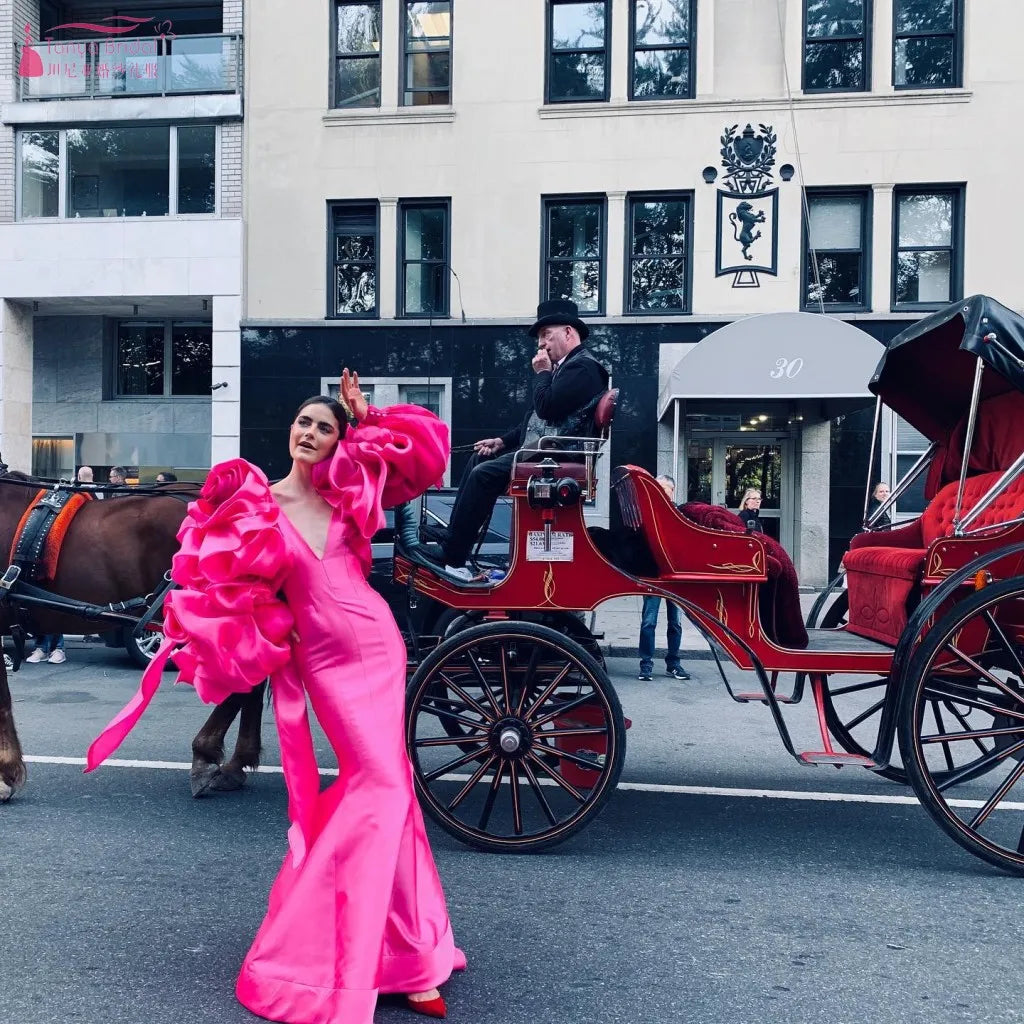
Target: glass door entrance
{"points": [[720, 469]]}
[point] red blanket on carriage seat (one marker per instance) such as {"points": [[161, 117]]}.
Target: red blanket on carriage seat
{"points": [[781, 616]]}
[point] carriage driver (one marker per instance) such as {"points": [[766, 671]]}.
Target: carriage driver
{"points": [[567, 383]]}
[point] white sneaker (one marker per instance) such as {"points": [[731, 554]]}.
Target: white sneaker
{"points": [[8, 663], [57, 658], [35, 657]]}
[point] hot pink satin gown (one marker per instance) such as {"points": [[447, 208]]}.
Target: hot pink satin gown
{"points": [[364, 912], [357, 908]]}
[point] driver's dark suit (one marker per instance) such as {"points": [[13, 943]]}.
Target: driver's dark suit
{"points": [[563, 402]]}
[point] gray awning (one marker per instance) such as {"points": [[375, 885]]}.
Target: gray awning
{"points": [[791, 356]]}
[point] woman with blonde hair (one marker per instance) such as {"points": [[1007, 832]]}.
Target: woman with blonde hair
{"points": [[750, 508]]}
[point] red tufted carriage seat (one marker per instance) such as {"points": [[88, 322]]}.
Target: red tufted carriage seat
{"points": [[884, 569]]}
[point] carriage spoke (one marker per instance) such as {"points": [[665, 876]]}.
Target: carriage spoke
{"points": [[568, 787], [539, 794], [548, 690], [450, 716], [504, 680], [456, 689], [473, 780], [587, 698], [962, 719], [582, 731], [972, 734], [583, 762], [990, 805], [988, 676], [980, 766], [485, 814], [531, 671], [941, 726], [840, 691], [450, 741], [484, 684], [865, 715], [1010, 649], [517, 810], [457, 763], [934, 693]]}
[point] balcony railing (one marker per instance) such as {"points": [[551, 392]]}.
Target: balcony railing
{"points": [[138, 66]]}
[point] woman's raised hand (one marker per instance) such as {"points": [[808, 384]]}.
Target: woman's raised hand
{"points": [[353, 395]]}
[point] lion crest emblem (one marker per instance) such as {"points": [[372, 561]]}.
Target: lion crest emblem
{"points": [[743, 221]]}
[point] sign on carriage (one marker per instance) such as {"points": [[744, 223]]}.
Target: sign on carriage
{"points": [[559, 551]]}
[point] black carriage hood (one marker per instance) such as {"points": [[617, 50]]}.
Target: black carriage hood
{"points": [[927, 372]]}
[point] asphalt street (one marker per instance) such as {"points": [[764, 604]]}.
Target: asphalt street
{"points": [[127, 902]]}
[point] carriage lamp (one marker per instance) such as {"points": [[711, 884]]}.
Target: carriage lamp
{"points": [[545, 492]]}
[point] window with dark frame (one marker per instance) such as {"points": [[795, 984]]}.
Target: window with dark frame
{"points": [[352, 287], [423, 253], [663, 46], [658, 258], [837, 46], [577, 51], [927, 247], [427, 51], [927, 45], [163, 358], [356, 53], [574, 251], [837, 238]]}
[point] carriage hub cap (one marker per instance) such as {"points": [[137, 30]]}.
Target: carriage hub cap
{"points": [[510, 737]]}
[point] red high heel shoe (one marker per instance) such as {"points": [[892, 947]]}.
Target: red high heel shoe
{"points": [[428, 1007]]}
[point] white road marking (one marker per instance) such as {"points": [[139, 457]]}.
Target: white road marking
{"points": [[641, 787]]}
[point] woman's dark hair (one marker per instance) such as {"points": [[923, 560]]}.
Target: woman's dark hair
{"points": [[339, 411], [169, 478]]}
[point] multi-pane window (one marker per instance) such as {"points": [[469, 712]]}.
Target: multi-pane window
{"points": [[423, 242], [352, 268], [427, 47], [574, 251], [658, 239], [928, 232], [577, 50], [163, 357], [663, 47], [118, 171], [836, 247], [357, 54], [836, 45], [926, 43]]}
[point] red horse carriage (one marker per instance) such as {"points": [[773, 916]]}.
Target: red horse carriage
{"points": [[517, 736]]}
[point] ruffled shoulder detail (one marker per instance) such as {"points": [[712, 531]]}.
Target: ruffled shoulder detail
{"points": [[232, 627], [395, 454]]}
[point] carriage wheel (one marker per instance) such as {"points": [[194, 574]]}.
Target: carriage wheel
{"points": [[143, 650], [961, 723], [540, 739]]}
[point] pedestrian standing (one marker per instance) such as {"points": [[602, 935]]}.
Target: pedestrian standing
{"points": [[649, 623], [50, 647]]}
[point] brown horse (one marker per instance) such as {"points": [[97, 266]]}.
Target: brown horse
{"points": [[115, 550]]}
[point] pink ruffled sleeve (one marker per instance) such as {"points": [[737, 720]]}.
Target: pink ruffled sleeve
{"points": [[395, 454]]}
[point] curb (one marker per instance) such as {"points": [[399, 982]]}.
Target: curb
{"points": [[685, 653]]}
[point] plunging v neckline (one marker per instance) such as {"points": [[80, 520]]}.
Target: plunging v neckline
{"points": [[301, 536]]}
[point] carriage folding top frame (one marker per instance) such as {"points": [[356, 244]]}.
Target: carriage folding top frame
{"points": [[517, 736]]}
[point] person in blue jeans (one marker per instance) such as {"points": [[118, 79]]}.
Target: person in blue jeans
{"points": [[48, 648], [649, 623]]}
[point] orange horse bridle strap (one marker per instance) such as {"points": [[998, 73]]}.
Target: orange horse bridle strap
{"points": [[41, 532]]}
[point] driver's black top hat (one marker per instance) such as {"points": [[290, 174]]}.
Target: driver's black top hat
{"points": [[558, 313]]}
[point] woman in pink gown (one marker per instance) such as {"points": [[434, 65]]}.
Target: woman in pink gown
{"points": [[357, 908]]}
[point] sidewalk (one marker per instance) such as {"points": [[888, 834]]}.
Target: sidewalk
{"points": [[619, 620]]}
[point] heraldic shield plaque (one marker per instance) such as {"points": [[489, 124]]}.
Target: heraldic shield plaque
{"points": [[747, 241]]}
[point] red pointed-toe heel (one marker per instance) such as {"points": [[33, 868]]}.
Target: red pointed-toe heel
{"points": [[428, 1007]]}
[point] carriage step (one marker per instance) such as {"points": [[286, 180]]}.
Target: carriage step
{"points": [[746, 698], [835, 757]]}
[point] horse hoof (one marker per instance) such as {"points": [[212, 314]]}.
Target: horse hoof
{"points": [[6, 792], [228, 780], [202, 778]]}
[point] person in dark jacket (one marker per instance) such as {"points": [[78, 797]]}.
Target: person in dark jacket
{"points": [[567, 383], [750, 510]]}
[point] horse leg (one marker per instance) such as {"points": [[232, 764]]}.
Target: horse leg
{"points": [[248, 744], [12, 765], [208, 745]]}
